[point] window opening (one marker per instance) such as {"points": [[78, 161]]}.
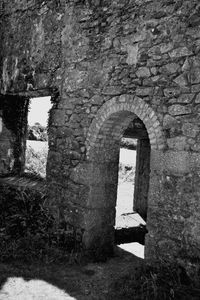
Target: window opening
{"points": [[37, 137]]}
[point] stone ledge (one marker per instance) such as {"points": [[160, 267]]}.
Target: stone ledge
{"points": [[24, 183]]}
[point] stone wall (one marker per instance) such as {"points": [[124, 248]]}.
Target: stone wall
{"points": [[110, 61], [6, 149], [32, 47]]}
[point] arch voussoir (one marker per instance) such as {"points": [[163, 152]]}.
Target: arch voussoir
{"points": [[133, 105]]}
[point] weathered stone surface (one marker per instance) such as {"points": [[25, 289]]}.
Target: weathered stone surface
{"points": [[132, 54], [177, 143], [143, 72], [181, 80], [190, 129], [170, 68], [172, 91], [144, 91], [169, 122], [174, 162], [195, 88], [195, 76], [181, 51], [197, 99], [177, 109], [185, 98], [112, 90]]}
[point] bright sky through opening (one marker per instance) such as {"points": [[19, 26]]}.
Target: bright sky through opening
{"points": [[39, 108]]}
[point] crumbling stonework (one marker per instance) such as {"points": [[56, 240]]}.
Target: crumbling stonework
{"points": [[106, 63]]}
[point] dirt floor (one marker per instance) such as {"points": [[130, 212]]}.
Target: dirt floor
{"points": [[61, 282]]}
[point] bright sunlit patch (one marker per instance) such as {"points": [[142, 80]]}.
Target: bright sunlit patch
{"points": [[134, 248], [17, 288], [127, 156], [39, 108], [125, 189]]}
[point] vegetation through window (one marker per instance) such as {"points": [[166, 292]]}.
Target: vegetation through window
{"points": [[37, 137]]}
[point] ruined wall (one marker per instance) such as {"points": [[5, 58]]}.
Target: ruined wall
{"points": [[30, 58], [111, 60], [32, 46]]}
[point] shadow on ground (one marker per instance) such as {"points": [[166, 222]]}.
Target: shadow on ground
{"points": [[60, 282]]}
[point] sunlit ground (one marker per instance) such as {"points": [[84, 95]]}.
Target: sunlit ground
{"points": [[16, 288], [134, 248]]}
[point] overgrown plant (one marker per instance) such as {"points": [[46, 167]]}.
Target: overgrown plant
{"points": [[28, 230], [36, 161], [166, 282]]}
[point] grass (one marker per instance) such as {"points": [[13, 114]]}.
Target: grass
{"points": [[165, 282], [114, 280], [28, 230]]}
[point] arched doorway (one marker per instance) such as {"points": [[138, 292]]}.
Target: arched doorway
{"points": [[133, 187], [103, 144]]}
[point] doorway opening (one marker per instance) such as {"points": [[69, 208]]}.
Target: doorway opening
{"points": [[123, 116], [37, 136], [126, 178], [132, 193]]}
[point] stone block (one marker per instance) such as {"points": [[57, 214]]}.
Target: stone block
{"points": [[174, 162], [195, 147], [197, 99], [179, 52], [58, 118], [132, 57], [177, 109], [143, 72], [177, 143], [144, 91], [195, 88], [172, 91], [170, 68], [164, 48], [181, 80], [195, 75], [190, 130], [185, 98], [112, 90], [169, 122]]}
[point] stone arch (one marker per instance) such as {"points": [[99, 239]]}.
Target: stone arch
{"points": [[102, 157], [126, 105]]}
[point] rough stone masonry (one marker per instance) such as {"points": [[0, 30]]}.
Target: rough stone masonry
{"points": [[105, 63]]}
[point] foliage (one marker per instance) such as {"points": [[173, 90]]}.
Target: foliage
{"points": [[36, 161], [28, 230], [126, 173], [37, 132], [128, 143], [165, 282]]}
